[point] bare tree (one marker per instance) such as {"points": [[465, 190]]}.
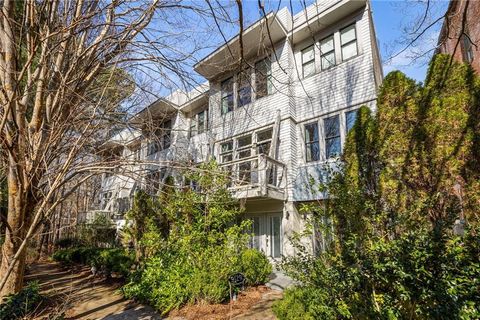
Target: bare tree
{"points": [[58, 61]]}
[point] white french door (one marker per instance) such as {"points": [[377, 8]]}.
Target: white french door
{"points": [[267, 234]]}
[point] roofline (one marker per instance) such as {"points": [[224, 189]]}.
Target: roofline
{"points": [[234, 38]]}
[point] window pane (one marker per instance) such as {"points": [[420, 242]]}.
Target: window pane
{"points": [[332, 147], [244, 153], [227, 146], [332, 127], [328, 60], [244, 96], [227, 87], [349, 50], [348, 34], [327, 45], [276, 241], [227, 157], [350, 118], [244, 141], [311, 132], [308, 69], [227, 104], [263, 148], [263, 78], [308, 54], [264, 135], [201, 121], [313, 151]]}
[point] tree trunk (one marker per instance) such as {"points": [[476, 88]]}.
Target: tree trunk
{"points": [[17, 224]]}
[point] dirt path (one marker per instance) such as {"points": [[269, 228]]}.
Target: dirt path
{"points": [[84, 297], [81, 296]]}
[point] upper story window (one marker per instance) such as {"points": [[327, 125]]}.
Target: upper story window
{"points": [[227, 96], [311, 142], [226, 151], [332, 136], [244, 91], [198, 123], [263, 78], [308, 61], [161, 138], [244, 147], [264, 141], [348, 41], [350, 118], [327, 53]]}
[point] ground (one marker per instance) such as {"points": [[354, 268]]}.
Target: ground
{"points": [[79, 295]]}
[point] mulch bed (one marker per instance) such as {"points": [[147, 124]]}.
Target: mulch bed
{"points": [[245, 300]]}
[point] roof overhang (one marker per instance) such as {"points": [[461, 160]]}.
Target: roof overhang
{"points": [[195, 103], [159, 110], [260, 35], [303, 28]]}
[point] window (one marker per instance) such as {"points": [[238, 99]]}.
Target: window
{"points": [[244, 91], [167, 134], [308, 61], [327, 53], [332, 137], [311, 142], [226, 151], [264, 141], [350, 118], [161, 139], [263, 78], [467, 48], [198, 123], [348, 39], [153, 179], [244, 147], [227, 96]]}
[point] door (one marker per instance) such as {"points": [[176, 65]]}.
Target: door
{"points": [[267, 234]]}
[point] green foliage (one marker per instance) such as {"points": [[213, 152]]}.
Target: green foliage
{"points": [[109, 260], [407, 174], [101, 232], [19, 305], [203, 246], [255, 266]]}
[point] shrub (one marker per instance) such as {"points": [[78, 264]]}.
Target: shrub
{"points": [[21, 304], [68, 243], [255, 266], [110, 260]]}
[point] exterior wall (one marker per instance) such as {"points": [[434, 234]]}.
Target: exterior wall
{"points": [[295, 101], [452, 30]]}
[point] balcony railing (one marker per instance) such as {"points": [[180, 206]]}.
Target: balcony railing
{"points": [[258, 176]]}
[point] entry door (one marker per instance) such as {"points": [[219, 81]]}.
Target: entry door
{"points": [[267, 234]]}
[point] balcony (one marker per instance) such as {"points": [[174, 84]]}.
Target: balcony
{"points": [[258, 176]]}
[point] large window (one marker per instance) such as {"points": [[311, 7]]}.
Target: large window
{"points": [[226, 151], [311, 142], [263, 78], [348, 40], [327, 53], [332, 137], [244, 91], [198, 123], [308, 61], [350, 118], [244, 150], [161, 138], [264, 141], [227, 96]]}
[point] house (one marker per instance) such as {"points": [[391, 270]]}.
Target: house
{"points": [[460, 33], [273, 114]]}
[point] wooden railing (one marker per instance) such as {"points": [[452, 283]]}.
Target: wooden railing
{"points": [[259, 171]]}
